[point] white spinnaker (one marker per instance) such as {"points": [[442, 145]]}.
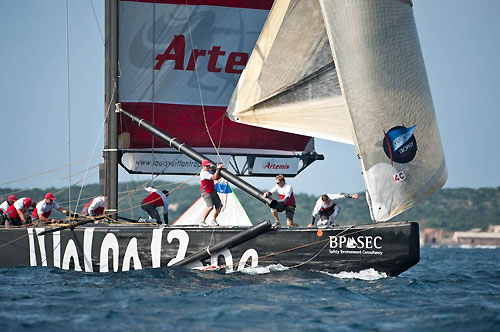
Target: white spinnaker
{"points": [[232, 212], [378, 83]]}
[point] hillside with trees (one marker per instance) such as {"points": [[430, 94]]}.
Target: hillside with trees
{"points": [[451, 209]]}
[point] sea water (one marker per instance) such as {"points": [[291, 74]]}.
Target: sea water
{"points": [[451, 289]]}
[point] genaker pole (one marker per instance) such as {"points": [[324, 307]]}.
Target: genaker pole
{"points": [[196, 156]]}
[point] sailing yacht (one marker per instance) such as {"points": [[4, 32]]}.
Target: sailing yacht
{"points": [[251, 83]]}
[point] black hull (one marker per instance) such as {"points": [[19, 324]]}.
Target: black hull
{"points": [[389, 247]]}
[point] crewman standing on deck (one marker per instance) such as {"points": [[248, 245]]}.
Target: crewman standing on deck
{"points": [[155, 199], [209, 193], [15, 213], [44, 208], [328, 209]]}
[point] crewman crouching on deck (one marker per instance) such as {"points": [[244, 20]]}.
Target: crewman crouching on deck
{"points": [[4, 206], [328, 209], [209, 193], [15, 213], [44, 208], [286, 201], [155, 199], [95, 207]]}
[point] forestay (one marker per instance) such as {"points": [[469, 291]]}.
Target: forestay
{"points": [[352, 72]]}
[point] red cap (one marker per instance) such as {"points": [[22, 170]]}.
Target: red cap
{"points": [[12, 198], [205, 163], [50, 196], [27, 202]]}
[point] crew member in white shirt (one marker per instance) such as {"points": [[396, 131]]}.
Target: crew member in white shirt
{"points": [[44, 208], [328, 209], [287, 201]]}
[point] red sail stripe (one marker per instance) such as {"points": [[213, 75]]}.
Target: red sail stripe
{"points": [[185, 122]]}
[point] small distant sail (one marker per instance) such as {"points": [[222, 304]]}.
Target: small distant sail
{"points": [[352, 72], [232, 212]]}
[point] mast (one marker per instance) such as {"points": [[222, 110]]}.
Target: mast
{"points": [[191, 153], [111, 90]]}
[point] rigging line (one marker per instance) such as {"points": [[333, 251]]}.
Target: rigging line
{"points": [[96, 142], [129, 197], [122, 141], [14, 240], [68, 100], [153, 91], [160, 173], [319, 252], [130, 194], [313, 243], [133, 207], [46, 172], [42, 184], [97, 21], [221, 131], [177, 184], [74, 200], [199, 85]]}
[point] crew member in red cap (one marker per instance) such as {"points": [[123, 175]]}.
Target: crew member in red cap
{"points": [[209, 193], [4, 206], [95, 207], [44, 208], [15, 213], [155, 199]]}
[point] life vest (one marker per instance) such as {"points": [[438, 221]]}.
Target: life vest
{"points": [[44, 206], [153, 199], [291, 200], [12, 212], [207, 185], [97, 211], [35, 214], [328, 211]]}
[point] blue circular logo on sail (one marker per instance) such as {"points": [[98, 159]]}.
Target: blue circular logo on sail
{"points": [[400, 145]]}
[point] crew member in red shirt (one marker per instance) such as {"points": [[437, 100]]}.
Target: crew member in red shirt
{"points": [[209, 193], [15, 213], [95, 207], [4, 206], [155, 199]]}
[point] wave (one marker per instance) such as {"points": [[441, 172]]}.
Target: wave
{"points": [[263, 269], [369, 274]]}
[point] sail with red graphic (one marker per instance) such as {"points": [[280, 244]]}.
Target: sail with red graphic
{"points": [[179, 62]]}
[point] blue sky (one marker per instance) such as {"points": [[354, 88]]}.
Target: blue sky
{"points": [[460, 41]]}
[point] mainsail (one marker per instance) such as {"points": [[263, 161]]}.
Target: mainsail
{"points": [[353, 72], [179, 62]]}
